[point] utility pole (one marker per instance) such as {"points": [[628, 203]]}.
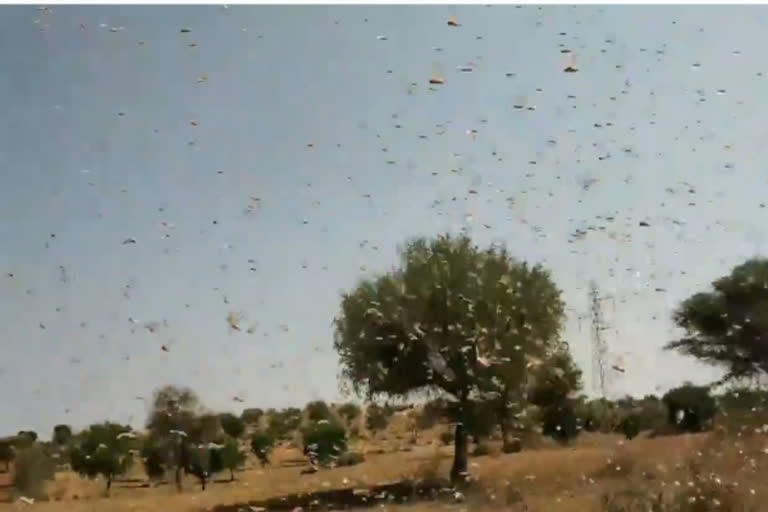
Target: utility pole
{"points": [[599, 346]]}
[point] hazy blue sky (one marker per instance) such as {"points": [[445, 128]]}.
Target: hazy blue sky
{"points": [[114, 123]]}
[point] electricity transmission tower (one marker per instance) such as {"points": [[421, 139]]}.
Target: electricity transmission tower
{"points": [[599, 346]]}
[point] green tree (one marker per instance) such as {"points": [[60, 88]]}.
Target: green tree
{"points": [[233, 426], [281, 424], [225, 455], [103, 449], [324, 441], [630, 425], [691, 408], [377, 417], [317, 410], [252, 415], [261, 446], [349, 411], [727, 327], [553, 382], [61, 434], [32, 468], [177, 425], [450, 318]]}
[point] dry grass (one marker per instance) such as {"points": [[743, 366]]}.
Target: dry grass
{"points": [[690, 473]]}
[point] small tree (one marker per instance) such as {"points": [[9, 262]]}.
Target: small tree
{"points": [[349, 412], [62, 434], [317, 410], [226, 455], [261, 446], [377, 417], [252, 416], [324, 442], [154, 456], [559, 421], [630, 425], [32, 469], [691, 408], [283, 423], [233, 426], [102, 450]]}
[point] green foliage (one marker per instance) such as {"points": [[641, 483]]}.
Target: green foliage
{"points": [[226, 455], [155, 459], [25, 438], [61, 434], [102, 450], [599, 415], [726, 326], [377, 417], [261, 445], [559, 421], [690, 408], [555, 379], [350, 412], [32, 469], [318, 410], [630, 425], [452, 318], [233, 426], [177, 425], [252, 416], [324, 441], [281, 424]]}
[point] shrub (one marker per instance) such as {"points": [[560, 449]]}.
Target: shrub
{"points": [[377, 417], [559, 422], [512, 445], [33, 467], [324, 441], [283, 423], [251, 415], [261, 446], [350, 459], [318, 410], [233, 426], [630, 425], [349, 411], [690, 408], [446, 437]]}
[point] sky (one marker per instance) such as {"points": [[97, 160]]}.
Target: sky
{"points": [[265, 158]]}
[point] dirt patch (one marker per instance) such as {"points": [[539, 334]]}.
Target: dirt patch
{"points": [[405, 491]]}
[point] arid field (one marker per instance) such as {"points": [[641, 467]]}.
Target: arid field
{"points": [[598, 472]]}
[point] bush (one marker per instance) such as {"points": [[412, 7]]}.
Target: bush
{"points": [[630, 425], [233, 426], [6, 453], [283, 423], [251, 415], [33, 467], [261, 446], [446, 437], [349, 411], [559, 422], [317, 410], [350, 459], [377, 417], [512, 445], [154, 460], [690, 408], [324, 442]]}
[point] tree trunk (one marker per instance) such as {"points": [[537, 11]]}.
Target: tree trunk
{"points": [[109, 483], [504, 434], [231, 475], [202, 481], [178, 478], [460, 447]]}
